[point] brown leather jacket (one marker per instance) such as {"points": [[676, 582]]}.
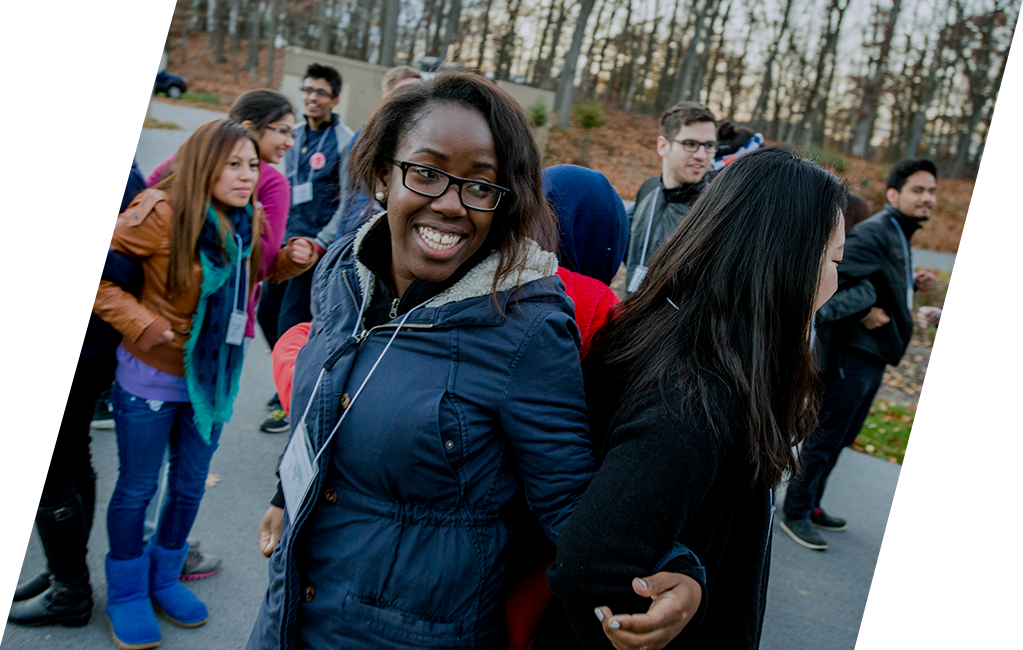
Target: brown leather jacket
{"points": [[143, 232]]}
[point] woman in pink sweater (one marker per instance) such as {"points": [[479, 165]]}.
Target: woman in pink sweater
{"points": [[271, 119]]}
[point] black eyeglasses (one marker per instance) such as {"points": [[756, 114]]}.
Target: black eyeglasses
{"points": [[326, 94], [285, 131], [692, 146], [432, 182]]}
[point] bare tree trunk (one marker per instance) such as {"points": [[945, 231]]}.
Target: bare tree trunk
{"points": [[507, 41], [872, 93], [648, 61], [389, 38], [321, 25], [544, 70], [255, 20], [595, 79], [765, 87], [236, 37], [584, 83], [718, 50], [453, 19], [272, 41], [567, 81], [535, 64], [664, 83], [221, 12], [483, 38]]}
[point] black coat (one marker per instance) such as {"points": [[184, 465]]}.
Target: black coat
{"points": [[665, 480], [873, 272], [660, 211]]}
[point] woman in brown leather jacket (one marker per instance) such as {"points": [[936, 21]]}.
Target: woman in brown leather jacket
{"points": [[194, 235]]}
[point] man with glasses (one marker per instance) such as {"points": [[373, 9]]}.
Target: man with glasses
{"points": [[687, 144], [314, 170]]}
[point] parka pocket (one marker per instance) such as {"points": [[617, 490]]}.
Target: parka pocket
{"points": [[382, 624]]}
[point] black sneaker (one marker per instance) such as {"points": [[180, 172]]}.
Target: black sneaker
{"points": [[803, 533], [822, 520], [103, 415], [276, 423], [274, 403]]}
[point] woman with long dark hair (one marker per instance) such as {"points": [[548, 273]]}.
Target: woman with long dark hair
{"points": [[699, 391], [195, 236]]}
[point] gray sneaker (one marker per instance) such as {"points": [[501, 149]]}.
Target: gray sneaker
{"points": [[803, 532], [198, 565]]}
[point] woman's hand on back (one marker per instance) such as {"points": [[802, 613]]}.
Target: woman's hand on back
{"points": [[676, 597]]}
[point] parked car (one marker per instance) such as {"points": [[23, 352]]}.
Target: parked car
{"points": [[170, 84]]}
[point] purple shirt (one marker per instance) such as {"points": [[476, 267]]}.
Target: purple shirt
{"points": [[144, 381]]}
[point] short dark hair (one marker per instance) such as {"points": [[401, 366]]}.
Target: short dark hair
{"points": [[525, 213], [682, 114], [327, 73], [728, 298], [261, 107], [906, 168]]}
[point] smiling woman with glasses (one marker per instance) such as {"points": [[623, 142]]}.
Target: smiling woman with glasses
{"points": [[440, 388]]}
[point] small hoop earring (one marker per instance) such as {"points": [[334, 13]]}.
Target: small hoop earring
{"points": [[381, 196]]}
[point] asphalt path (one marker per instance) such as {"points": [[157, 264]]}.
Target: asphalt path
{"points": [[815, 599]]}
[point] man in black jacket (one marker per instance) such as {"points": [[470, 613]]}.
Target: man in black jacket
{"points": [[865, 325], [687, 144]]}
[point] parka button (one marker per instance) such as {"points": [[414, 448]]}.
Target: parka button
{"points": [[308, 594], [330, 496], [345, 402], [449, 445]]}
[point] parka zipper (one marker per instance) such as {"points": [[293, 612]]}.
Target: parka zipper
{"points": [[407, 326], [394, 309], [351, 292]]}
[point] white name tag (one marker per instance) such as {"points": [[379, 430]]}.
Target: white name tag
{"points": [[296, 470], [236, 327], [302, 193], [637, 278]]}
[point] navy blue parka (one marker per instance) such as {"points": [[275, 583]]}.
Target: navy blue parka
{"points": [[403, 542]]}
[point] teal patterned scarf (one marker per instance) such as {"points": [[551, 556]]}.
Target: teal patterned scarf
{"points": [[212, 366]]}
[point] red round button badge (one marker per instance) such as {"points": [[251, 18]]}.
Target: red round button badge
{"points": [[317, 160]]}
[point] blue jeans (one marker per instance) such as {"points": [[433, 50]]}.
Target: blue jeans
{"points": [[145, 428]]}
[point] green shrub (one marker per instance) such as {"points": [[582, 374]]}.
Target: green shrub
{"points": [[539, 114]]}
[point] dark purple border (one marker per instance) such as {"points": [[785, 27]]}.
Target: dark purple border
{"points": [[951, 554], [77, 79]]}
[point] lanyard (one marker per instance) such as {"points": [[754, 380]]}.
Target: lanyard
{"points": [[238, 279], [905, 251], [319, 379], [298, 149], [649, 227]]}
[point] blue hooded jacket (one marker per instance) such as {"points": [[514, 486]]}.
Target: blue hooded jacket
{"points": [[404, 539]]}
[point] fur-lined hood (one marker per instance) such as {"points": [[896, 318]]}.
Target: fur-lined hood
{"points": [[477, 283]]}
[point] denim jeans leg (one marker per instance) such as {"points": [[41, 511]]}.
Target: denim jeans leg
{"points": [[143, 428], [190, 457]]}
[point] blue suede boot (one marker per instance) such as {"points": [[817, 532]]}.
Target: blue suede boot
{"points": [[170, 597], [129, 612]]}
